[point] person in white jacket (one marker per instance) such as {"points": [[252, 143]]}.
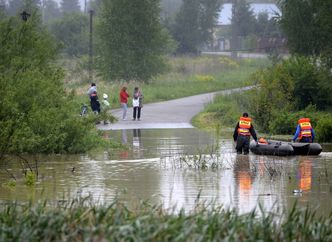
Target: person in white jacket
{"points": [[137, 103]]}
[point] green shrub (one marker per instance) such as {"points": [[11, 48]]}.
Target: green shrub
{"points": [[286, 88], [36, 113], [285, 122], [323, 130]]}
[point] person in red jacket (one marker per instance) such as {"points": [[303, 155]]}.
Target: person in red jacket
{"points": [[124, 102], [242, 132]]}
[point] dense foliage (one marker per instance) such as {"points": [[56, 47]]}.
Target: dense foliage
{"points": [[308, 26], [294, 88], [76, 221], [132, 42], [35, 110]]}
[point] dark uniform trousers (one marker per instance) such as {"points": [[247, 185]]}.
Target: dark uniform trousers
{"points": [[242, 143]]}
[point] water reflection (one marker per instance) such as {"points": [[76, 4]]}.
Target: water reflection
{"points": [[243, 178], [124, 154], [137, 144], [150, 168], [305, 174], [124, 136]]}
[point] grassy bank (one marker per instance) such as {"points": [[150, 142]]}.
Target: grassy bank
{"points": [[224, 112], [185, 77], [81, 221]]}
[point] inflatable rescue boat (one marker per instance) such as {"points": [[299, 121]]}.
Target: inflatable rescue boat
{"points": [[279, 148]]}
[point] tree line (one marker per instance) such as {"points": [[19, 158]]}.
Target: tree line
{"points": [[132, 38]]}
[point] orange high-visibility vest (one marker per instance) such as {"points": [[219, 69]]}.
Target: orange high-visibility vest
{"points": [[305, 126], [244, 126]]}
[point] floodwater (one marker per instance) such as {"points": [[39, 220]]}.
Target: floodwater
{"points": [[178, 168]]}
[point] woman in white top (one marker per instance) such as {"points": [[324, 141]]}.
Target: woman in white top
{"points": [[137, 103]]}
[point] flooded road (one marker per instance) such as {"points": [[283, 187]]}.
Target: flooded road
{"points": [[178, 167]]}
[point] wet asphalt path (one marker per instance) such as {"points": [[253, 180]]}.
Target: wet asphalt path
{"points": [[171, 114]]}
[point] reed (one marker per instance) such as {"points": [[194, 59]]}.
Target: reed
{"points": [[81, 220]]}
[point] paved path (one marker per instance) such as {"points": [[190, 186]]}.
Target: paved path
{"points": [[173, 114]]}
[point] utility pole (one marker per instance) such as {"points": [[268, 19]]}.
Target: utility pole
{"points": [[90, 46], [234, 29]]}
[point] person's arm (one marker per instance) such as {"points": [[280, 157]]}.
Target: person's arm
{"points": [[235, 134], [89, 92], [253, 132], [298, 129], [312, 134]]}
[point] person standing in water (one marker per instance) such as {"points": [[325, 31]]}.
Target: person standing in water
{"points": [[242, 132]]}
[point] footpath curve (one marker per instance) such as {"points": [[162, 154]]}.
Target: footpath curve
{"points": [[176, 113]]}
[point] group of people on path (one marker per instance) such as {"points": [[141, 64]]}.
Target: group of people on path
{"points": [[137, 101], [244, 129]]}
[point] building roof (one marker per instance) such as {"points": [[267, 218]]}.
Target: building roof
{"points": [[225, 14]]}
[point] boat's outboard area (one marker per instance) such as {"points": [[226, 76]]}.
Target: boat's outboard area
{"points": [[306, 148], [280, 148]]}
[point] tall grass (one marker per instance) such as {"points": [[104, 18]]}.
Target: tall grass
{"points": [[185, 77], [223, 111], [80, 220]]}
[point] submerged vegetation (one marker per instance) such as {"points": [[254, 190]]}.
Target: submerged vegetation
{"points": [[80, 220]]}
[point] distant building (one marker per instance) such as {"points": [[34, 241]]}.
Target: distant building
{"points": [[223, 30]]}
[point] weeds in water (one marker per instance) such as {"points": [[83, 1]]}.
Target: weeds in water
{"points": [[10, 184], [30, 178], [204, 159], [80, 220]]}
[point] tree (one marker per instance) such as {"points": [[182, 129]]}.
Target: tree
{"points": [[308, 26], [36, 113], [72, 31], [132, 42], [194, 24], [169, 8], [243, 21], [69, 6]]}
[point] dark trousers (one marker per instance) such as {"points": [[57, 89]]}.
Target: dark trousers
{"points": [[137, 110], [95, 105], [306, 140], [242, 143]]}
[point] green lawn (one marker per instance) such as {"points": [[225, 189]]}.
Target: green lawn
{"points": [[185, 77]]}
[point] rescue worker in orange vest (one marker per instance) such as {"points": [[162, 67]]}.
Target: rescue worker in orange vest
{"points": [[304, 131], [242, 132]]}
